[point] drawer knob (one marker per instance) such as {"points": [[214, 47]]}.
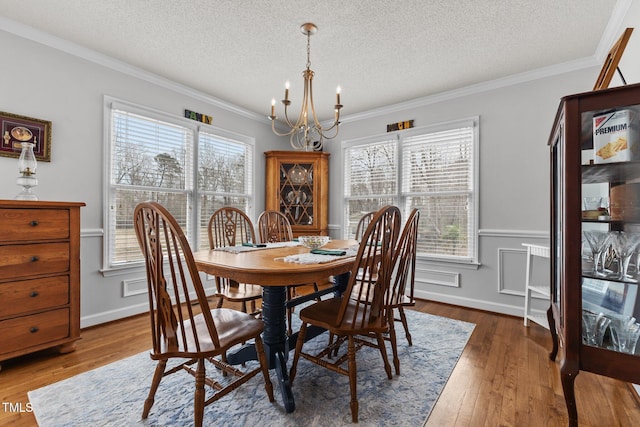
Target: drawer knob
{"points": [[33, 223], [34, 329], [34, 258], [34, 294]]}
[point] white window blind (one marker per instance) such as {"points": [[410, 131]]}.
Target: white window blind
{"points": [[225, 177], [438, 179], [433, 169], [153, 156], [150, 161], [370, 179]]}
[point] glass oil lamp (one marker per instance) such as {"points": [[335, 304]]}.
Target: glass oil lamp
{"points": [[27, 165]]}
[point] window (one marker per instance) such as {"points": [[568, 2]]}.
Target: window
{"points": [[190, 168], [225, 175], [433, 169]]}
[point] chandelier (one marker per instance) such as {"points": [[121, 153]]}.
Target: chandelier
{"points": [[306, 133]]}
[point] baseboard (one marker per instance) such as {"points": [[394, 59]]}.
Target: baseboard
{"points": [[492, 306], [109, 316]]}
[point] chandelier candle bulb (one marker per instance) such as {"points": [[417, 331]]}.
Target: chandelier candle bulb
{"points": [[286, 90], [273, 107], [338, 95]]}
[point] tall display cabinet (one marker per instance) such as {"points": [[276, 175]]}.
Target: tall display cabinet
{"points": [[298, 186], [595, 193]]}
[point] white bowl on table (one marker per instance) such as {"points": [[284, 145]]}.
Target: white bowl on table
{"points": [[313, 242]]}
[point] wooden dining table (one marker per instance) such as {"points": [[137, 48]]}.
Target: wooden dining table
{"points": [[266, 267]]}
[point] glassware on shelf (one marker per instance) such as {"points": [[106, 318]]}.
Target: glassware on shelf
{"points": [[598, 241], [297, 175], [297, 196], [594, 326], [625, 333], [591, 203], [624, 244]]}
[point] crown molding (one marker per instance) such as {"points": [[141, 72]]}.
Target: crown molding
{"points": [[613, 29], [75, 49], [478, 88], [609, 36], [617, 17]]}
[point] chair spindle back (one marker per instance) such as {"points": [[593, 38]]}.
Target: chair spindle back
{"points": [[171, 270], [371, 273], [229, 226], [273, 226], [404, 260]]}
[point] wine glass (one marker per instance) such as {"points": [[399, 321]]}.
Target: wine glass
{"points": [[598, 241], [624, 244], [625, 333], [594, 326]]}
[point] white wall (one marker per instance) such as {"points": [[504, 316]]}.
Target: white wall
{"points": [[515, 120], [516, 116], [53, 85]]}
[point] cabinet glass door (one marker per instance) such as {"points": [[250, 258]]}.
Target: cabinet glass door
{"points": [[557, 151], [296, 192], [611, 229]]}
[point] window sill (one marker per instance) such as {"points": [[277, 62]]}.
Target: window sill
{"points": [[469, 265], [123, 270]]}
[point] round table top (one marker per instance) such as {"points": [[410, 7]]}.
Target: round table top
{"points": [[265, 266]]}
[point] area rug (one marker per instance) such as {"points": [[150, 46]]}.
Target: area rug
{"points": [[113, 395]]}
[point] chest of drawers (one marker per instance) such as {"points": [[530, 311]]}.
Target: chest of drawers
{"points": [[39, 276]]}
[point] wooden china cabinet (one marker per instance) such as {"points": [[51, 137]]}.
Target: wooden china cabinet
{"points": [[298, 186], [595, 150]]}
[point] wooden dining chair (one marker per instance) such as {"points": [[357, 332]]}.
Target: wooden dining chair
{"points": [[402, 273], [353, 314], [229, 226], [362, 225], [274, 226], [177, 330]]}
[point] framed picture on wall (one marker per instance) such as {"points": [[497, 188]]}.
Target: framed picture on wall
{"points": [[17, 129]]}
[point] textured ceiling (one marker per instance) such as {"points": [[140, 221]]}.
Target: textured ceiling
{"points": [[379, 52]]}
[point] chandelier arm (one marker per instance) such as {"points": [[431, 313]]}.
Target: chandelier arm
{"points": [[316, 123], [273, 128], [335, 126], [288, 122], [322, 130], [304, 111], [295, 142]]}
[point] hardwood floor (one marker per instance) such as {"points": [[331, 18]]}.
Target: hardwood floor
{"points": [[503, 378]]}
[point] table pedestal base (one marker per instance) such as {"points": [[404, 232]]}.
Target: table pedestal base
{"points": [[274, 335]]}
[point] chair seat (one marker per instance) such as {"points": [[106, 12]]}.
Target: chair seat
{"points": [[233, 327], [324, 314], [240, 292]]}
